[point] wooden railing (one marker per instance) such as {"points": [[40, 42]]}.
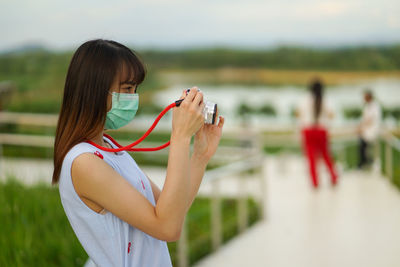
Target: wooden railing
{"points": [[215, 178], [390, 163], [238, 162], [245, 161]]}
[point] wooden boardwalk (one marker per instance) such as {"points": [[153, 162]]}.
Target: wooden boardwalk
{"points": [[354, 224]]}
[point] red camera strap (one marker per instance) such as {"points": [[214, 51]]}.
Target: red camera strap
{"points": [[130, 146]]}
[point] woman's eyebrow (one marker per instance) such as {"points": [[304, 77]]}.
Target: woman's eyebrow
{"points": [[128, 82]]}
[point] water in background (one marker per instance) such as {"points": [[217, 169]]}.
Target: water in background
{"points": [[285, 99]]}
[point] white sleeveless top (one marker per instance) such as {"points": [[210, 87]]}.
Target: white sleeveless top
{"points": [[108, 240]]}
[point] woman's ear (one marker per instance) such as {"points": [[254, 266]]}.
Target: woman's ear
{"points": [[115, 87], [109, 102]]}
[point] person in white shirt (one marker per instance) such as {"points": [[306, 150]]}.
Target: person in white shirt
{"points": [[121, 218], [369, 128]]}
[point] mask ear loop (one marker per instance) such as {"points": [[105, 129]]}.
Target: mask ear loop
{"points": [[130, 146]]}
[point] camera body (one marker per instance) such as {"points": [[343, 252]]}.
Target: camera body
{"points": [[209, 111]]}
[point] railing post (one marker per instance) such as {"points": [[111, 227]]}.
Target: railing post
{"points": [[342, 157], [389, 160], [1, 159], [263, 199], [377, 156], [182, 247], [216, 229], [242, 205]]}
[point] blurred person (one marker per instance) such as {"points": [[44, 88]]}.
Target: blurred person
{"points": [[368, 129], [119, 215], [314, 115]]}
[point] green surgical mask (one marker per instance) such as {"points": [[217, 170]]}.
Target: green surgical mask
{"points": [[123, 110]]}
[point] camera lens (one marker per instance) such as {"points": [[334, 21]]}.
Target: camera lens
{"points": [[210, 112]]}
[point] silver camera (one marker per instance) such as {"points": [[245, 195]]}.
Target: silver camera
{"points": [[209, 111]]}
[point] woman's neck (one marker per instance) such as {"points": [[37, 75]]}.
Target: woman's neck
{"points": [[98, 139]]}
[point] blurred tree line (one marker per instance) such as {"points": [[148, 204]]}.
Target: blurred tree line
{"points": [[39, 75], [356, 112], [288, 58]]}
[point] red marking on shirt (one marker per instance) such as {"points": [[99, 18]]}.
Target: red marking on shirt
{"points": [[129, 247], [97, 153], [144, 188]]}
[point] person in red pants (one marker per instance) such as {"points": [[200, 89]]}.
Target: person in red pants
{"points": [[313, 115]]}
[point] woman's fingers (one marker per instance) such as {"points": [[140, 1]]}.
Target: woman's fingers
{"points": [[188, 118], [202, 106], [183, 94], [216, 116], [198, 99], [191, 95], [221, 122]]}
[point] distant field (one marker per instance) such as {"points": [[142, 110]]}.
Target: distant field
{"points": [[39, 76], [43, 94], [243, 76]]}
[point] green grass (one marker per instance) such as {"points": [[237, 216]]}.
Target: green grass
{"points": [[35, 231], [351, 155], [395, 163], [16, 151], [382, 156], [244, 110], [352, 112], [356, 112], [276, 149], [396, 167], [15, 128]]}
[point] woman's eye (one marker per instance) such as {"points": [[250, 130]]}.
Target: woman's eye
{"points": [[129, 89]]}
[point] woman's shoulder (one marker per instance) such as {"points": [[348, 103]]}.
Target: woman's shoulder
{"points": [[78, 150], [74, 153]]}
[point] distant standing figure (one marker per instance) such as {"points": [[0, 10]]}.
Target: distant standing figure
{"points": [[368, 129], [314, 114]]}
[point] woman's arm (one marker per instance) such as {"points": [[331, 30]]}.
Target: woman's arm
{"points": [[198, 162], [174, 198], [197, 168], [96, 181], [154, 188], [205, 145]]}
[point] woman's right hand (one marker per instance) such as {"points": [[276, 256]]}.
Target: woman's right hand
{"points": [[188, 118]]}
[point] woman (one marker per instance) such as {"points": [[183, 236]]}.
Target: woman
{"points": [[118, 214], [314, 114]]}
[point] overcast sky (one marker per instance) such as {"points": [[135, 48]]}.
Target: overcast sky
{"points": [[59, 24]]}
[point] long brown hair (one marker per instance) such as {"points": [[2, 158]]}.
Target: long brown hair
{"points": [[93, 68]]}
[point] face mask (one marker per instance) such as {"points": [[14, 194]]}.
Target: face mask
{"points": [[123, 110]]}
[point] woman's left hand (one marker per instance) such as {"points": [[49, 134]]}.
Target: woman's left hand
{"points": [[207, 139]]}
